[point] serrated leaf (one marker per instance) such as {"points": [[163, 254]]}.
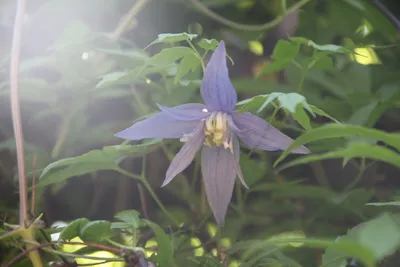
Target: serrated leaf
{"points": [[354, 150], [341, 130], [95, 231], [130, 217], [208, 44], [73, 229], [164, 245], [106, 159]]}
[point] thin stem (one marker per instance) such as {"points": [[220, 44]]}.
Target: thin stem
{"points": [[198, 55], [16, 111], [302, 78], [142, 196], [148, 187], [126, 20], [246, 27], [361, 171]]}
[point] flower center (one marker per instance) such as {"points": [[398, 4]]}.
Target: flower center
{"points": [[217, 130]]}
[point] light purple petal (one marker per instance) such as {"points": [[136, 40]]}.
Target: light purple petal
{"points": [[216, 89], [160, 125], [236, 155], [219, 174], [186, 112], [257, 133], [186, 155]]}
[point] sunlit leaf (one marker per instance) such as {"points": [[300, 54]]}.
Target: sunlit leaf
{"points": [[208, 44], [95, 231], [106, 159], [354, 150]]}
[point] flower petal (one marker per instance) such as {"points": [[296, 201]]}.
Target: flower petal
{"points": [[257, 133], [217, 167], [160, 125], [186, 155], [186, 112], [236, 156], [216, 89]]}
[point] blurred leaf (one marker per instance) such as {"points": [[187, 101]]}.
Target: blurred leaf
{"points": [[283, 54], [106, 159], [341, 130], [208, 44], [381, 235], [285, 50], [188, 64], [327, 47], [361, 150], [379, 204], [253, 169], [173, 38], [164, 245], [95, 231], [73, 229]]}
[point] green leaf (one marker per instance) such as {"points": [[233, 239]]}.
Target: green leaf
{"points": [[379, 204], [285, 50], [169, 55], [164, 244], [106, 159], [381, 235], [284, 53], [131, 217], [189, 63], [208, 44], [173, 38], [322, 113], [73, 229], [327, 47], [95, 231], [112, 78], [362, 150], [341, 130]]}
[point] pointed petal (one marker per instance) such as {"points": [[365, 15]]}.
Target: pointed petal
{"points": [[219, 179], [216, 89], [257, 133], [186, 112], [160, 125], [186, 155], [236, 155]]}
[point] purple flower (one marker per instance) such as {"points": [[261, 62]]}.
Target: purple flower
{"points": [[215, 129]]}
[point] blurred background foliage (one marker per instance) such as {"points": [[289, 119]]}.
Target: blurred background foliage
{"points": [[81, 82]]}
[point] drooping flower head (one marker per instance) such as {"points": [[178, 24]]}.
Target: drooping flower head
{"points": [[214, 128]]}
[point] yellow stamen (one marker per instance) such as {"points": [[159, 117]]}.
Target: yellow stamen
{"points": [[217, 131]]}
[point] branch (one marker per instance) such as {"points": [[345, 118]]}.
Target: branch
{"points": [[16, 112], [246, 27]]}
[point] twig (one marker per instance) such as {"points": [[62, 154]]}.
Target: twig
{"points": [[246, 27], [16, 111]]}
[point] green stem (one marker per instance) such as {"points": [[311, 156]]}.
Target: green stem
{"points": [[148, 187], [246, 27], [302, 78], [198, 55]]}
